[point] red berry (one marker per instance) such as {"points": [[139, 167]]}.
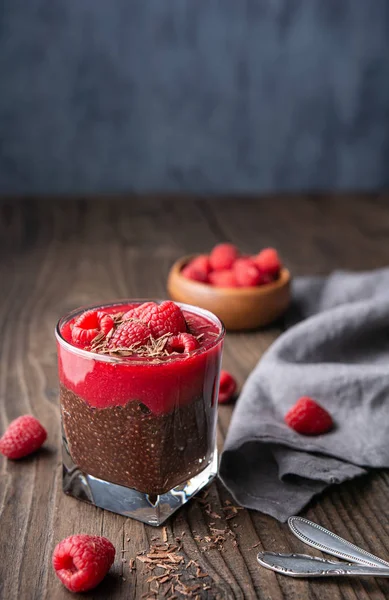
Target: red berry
{"points": [[182, 343], [308, 417], [162, 318], [135, 313], [247, 273], [90, 324], [265, 277], [82, 561], [201, 263], [191, 272], [224, 278], [23, 436], [129, 333], [227, 387], [223, 256], [268, 262]]}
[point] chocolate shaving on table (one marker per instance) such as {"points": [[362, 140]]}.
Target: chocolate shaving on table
{"points": [[170, 570], [173, 580]]}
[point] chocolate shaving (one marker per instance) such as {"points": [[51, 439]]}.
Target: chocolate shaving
{"points": [[154, 348], [214, 515], [99, 338], [144, 559], [166, 556], [132, 564]]}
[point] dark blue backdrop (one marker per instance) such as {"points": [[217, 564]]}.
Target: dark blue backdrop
{"points": [[195, 95]]}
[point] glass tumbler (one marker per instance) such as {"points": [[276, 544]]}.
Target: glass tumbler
{"points": [[138, 434]]}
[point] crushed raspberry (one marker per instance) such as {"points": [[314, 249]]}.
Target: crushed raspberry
{"points": [[89, 325], [247, 273], [223, 256], [130, 333], [268, 261], [82, 561], [161, 318], [308, 417], [23, 436], [190, 272], [182, 343], [224, 278], [227, 387]]}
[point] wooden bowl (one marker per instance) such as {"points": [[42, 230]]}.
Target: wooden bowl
{"points": [[238, 308]]}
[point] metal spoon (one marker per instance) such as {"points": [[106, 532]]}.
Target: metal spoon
{"points": [[318, 537], [302, 565]]}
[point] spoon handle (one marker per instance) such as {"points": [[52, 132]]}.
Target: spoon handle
{"points": [[318, 537], [302, 565]]}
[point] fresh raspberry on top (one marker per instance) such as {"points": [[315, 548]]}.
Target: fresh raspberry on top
{"points": [[82, 561], [308, 417], [136, 312], [190, 272], [247, 273], [223, 256], [23, 436], [224, 278], [130, 333], [268, 261], [227, 387], [182, 343], [89, 325], [162, 318]]}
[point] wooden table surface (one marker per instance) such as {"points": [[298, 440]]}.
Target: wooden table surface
{"points": [[57, 255]]}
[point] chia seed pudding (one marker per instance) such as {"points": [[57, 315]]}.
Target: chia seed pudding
{"points": [[143, 414]]}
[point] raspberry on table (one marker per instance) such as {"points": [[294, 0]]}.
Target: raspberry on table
{"points": [[82, 561], [129, 333], [268, 261], [308, 417], [191, 272], [89, 325], [223, 256], [22, 437], [225, 278], [182, 343], [162, 318], [227, 387], [247, 273]]}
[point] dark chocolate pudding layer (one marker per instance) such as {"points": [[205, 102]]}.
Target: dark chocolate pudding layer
{"points": [[131, 446]]}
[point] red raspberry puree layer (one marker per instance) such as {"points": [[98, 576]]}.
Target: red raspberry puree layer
{"points": [[161, 384]]}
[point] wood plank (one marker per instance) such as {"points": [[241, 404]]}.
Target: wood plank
{"points": [[55, 255]]}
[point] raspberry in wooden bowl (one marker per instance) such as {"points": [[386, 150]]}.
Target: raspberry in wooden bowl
{"points": [[138, 396], [252, 292]]}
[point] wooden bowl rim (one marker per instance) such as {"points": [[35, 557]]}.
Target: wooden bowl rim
{"points": [[260, 290]]}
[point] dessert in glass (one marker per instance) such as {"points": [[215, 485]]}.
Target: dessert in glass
{"points": [[138, 394]]}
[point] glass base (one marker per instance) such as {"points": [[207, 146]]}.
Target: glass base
{"points": [[153, 510]]}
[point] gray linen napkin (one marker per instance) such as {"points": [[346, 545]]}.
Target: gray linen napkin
{"points": [[338, 353]]}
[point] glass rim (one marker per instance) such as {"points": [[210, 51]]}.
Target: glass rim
{"points": [[126, 359]]}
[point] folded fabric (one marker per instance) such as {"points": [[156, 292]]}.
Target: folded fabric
{"points": [[337, 352]]}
